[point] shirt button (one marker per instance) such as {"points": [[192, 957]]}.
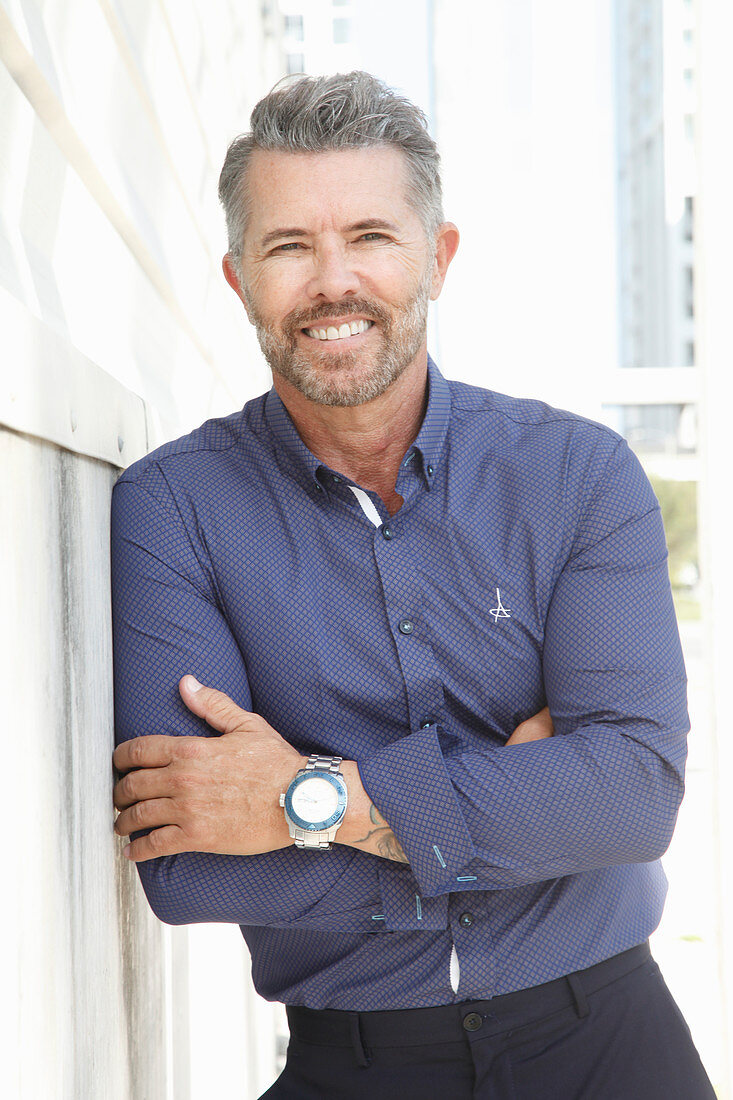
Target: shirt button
{"points": [[466, 920], [472, 1022], [426, 723], [387, 532], [431, 470], [406, 626], [335, 479]]}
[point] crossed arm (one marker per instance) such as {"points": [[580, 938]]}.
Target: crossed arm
{"points": [[604, 791], [221, 794]]}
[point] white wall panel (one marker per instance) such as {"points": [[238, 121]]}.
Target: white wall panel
{"points": [[111, 228], [89, 965], [115, 116]]}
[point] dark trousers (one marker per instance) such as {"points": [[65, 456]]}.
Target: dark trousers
{"points": [[611, 1032]]}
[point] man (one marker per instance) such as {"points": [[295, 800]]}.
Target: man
{"points": [[379, 577]]}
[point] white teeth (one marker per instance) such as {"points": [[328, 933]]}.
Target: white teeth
{"points": [[350, 328]]}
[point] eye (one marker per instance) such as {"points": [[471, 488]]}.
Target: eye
{"points": [[288, 246], [373, 236]]}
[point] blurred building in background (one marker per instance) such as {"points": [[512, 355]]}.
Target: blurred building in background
{"points": [[393, 41], [651, 397], [318, 36], [655, 92]]}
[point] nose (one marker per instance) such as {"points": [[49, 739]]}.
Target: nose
{"points": [[333, 276]]}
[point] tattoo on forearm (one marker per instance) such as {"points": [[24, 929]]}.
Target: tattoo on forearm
{"points": [[387, 844]]}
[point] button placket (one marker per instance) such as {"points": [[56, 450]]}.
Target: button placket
{"points": [[403, 599], [471, 932]]}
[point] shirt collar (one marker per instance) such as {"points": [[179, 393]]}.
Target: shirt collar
{"points": [[428, 445], [430, 441]]}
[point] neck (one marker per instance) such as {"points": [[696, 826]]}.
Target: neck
{"points": [[364, 442]]}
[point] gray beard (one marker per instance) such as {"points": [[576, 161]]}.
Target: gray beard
{"points": [[321, 379]]}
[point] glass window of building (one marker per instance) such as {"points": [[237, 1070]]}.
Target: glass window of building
{"points": [[688, 219], [341, 30], [294, 27]]}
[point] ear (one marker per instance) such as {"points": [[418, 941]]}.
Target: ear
{"points": [[231, 276], [446, 246]]}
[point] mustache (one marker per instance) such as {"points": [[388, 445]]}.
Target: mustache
{"points": [[307, 318]]}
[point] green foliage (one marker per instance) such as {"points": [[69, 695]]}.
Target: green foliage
{"points": [[678, 501]]}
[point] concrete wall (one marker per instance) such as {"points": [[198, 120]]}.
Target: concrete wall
{"points": [[117, 331], [90, 974]]}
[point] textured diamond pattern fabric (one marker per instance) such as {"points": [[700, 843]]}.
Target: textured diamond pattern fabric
{"points": [[529, 561]]}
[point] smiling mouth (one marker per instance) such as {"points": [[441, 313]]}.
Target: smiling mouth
{"points": [[340, 332]]}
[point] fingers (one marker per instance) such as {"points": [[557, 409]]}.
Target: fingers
{"points": [[168, 841], [153, 751], [149, 814], [213, 706], [145, 784]]}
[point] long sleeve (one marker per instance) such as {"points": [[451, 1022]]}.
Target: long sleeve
{"points": [[606, 788], [167, 622]]}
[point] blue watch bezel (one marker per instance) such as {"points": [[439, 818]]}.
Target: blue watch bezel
{"points": [[336, 781]]}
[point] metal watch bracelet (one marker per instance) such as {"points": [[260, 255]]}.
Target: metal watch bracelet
{"points": [[324, 763]]}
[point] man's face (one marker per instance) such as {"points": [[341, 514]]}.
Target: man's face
{"points": [[337, 271]]}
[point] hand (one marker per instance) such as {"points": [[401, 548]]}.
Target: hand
{"points": [[206, 794], [535, 728]]}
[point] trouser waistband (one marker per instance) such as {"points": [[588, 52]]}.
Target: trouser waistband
{"points": [[451, 1023]]}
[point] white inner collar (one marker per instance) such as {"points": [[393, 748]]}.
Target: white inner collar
{"points": [[367, 506]]}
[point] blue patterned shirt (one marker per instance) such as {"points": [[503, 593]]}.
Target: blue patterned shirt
{"points": [[526, 566]]}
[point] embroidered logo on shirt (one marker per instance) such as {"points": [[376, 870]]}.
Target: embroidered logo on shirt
{"points": [[500, 612]]}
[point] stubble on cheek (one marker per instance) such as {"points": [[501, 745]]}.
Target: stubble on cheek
{"points": [[326, 376], [351, 377]]}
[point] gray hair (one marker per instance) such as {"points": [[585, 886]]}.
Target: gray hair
{"points": [[346, 111]]}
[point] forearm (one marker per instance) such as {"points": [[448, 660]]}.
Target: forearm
{"points": [[605, 794], [576, 803], [288, 888], [149, 592], [606, 788], [363, 826]]}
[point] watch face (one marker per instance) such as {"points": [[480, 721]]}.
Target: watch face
{"points": [[316, 802]]}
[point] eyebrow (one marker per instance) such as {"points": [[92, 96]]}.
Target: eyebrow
{"points": [[366, 223], [372, 223], [275, 235]]}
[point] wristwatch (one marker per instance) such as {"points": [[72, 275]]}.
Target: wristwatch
{"points": [[315, 802]]}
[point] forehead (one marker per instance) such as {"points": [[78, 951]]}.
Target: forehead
{"points": [[308, 189]]}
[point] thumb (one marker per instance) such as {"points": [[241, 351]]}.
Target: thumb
{"points": [[213, 706]]}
